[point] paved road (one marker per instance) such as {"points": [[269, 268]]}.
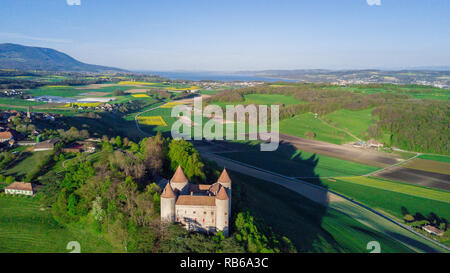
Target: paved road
{"points": [[359, 212]]}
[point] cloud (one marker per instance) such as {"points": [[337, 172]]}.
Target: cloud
{"points": [[73, 2], [369, 2]]}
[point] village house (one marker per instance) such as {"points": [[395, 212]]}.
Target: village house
{"points": [[5, 136], [46, 145], [433, 230], [21, 188], [199, 207]]}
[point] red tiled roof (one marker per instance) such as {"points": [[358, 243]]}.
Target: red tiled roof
{"points": [[5, 135], [224, 178], [196, 200], [179, 176], [168, 192], [20, 186], [222, 194]]}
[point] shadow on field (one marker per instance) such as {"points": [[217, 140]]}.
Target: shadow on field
{"points": [[278, 202]]}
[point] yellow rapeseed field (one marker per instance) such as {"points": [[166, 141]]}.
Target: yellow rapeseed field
{"points": [[170, 104], [140, 96], [154, 120]]}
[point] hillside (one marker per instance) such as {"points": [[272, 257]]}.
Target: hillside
{"points": [[14, 56]]}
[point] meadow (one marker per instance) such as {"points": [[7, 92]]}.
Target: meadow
{"points": [[25, 228], [300, 164], [25, 163], [439, 158], [390, 198], [301, 125], [261, 99], [355, 122], [310, 226]]}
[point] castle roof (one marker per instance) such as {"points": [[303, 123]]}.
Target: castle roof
{"points": [[222, 194], [214, 188], [196, 200], [168, 192], [224, 177], [179, 176]]}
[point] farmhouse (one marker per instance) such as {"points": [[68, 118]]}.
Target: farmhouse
{"points": [[433, 230], [203, 208], [46, 145], [5, 136], [21, 188]]}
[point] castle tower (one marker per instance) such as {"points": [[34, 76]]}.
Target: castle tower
{"points": [[168, 199], [222, 211], [179, 181], [225, 181]]}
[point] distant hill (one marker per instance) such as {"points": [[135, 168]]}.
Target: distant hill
{"points": [[14, 56]]}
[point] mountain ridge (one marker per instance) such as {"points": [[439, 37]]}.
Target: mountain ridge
{"points": [[21, 57]]}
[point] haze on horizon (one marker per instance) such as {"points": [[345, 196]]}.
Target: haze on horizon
{"points": [[232, 35]]}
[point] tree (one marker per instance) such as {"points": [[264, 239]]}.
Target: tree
{"points": [[118, 141], [183, 153], [9, 180]]}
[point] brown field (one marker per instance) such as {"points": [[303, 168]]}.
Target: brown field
{"points": [[418, 177], [133, 91], [428, 166], [95, 86], [368, 157], [96, 94]]}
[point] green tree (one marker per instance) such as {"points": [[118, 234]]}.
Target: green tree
{"points": [[183, 153], [118, 141]]}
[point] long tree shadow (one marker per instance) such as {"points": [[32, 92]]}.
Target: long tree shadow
{"points": [[281, 202]]}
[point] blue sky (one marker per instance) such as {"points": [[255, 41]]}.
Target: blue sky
{"points": [[235, 34]]}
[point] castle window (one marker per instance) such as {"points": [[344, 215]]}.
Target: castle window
{"points": [[226, 213], [193, 212], [225, 222], [204, 212], [212, 212]]}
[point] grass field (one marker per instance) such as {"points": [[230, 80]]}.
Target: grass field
{"points": [[25, 163], [356, 122], [300, 124], [300, 164], [439, 158], [386, 196], [428, 193], [24, 227], [311, 227], [262, 99]]}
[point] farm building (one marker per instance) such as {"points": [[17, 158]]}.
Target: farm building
{"points": [[5, 136], [46, 145], [21, 188], [433, 230]]}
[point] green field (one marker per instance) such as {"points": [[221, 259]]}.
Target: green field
{"points": [[311, 227], [300, 164], [390, 196], [300, 124], [440, 158], [24, 227], [25, 163], [262, 99], [356, 122]]}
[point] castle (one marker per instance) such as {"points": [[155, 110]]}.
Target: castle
{"points": [[199, 207]]}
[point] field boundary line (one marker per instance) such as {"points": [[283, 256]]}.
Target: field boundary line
{"points": [[344, 197]]}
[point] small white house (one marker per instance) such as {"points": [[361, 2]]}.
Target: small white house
{"points": [[21, 188]]}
